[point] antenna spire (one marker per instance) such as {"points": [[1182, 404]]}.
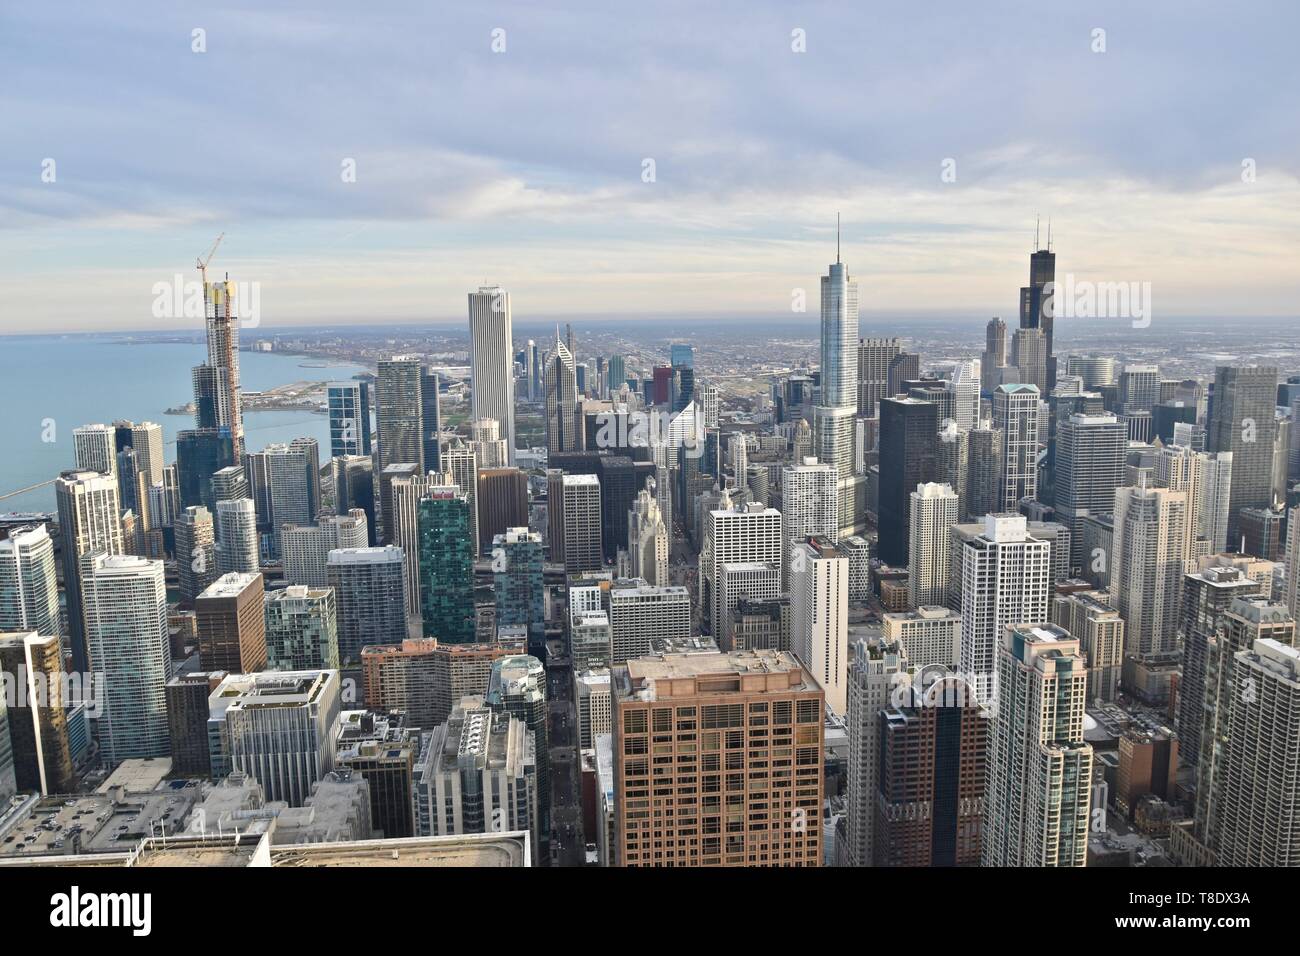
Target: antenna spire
{"points": [[1049, 233], [1037, 221], [837, 237]]}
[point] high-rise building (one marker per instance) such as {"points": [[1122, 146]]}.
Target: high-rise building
{"points": [[874, 356], [1089, 467], [502, 503], [349, 412], [477, 773], [819, 604], [983, 471], [399, 413], [580, 523], [518, 687], [32, 665], [404, 677], [301, 629], [1243, 421], [1291, 586], [187, 721], [305, 549], [236, 536], [231, 624], [381, 749], [1147, 565], [810, 500], [431, 419], [517, 566], [561, 398], [1039, 780], [293, 489], [221, 320], [1207, 480], [908, 457], [89, 520], [933, 512], [740, 707], [125, 603], [196, 552], [1004, 574], [926, 636], [643, 617], [875, 671], [29, 590], [932, 759], [833, 416], [1015, 414], [1099, 628], [445, 557], [994, 358], [460, 461], [648, 539], [369, 587], [1036, 311], [734, 534], [278, 727], [95, 447], [491, 361]]}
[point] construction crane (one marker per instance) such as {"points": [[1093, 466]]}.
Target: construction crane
{"points": [[202, 264]]}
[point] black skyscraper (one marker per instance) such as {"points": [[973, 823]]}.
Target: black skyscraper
{"points": [[908, 439]]}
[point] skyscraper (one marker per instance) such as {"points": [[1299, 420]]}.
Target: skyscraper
{"points": [[994, 358], [1037, 310], [933, 513], [491, 361], [874, 356], [819, 604], [648, 539], [89, 520], [231, 624], [1099, 628], [1038, 788], [1089, 467], [908, 436], [399, 412], [734, 534], [517, 687], [38, 712], [810, 500], [1015, 413], [369, 587], [305, 549], [236, 534], [95, 449], [125, 603], [301, 629], [517, 566], [349, 412], [769, 703], [561, 397], [293, 476], [1147, 564], [1243, 421], [196, 552], [446, 562], [581, 525], [222, 324], [29, 591]]}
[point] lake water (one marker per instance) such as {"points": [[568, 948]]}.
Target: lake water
{"points": [[77, 380]]}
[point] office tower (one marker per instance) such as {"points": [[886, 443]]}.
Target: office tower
{"points": [[301, 629], [810, 500], [1207, 595], [1147, 566], [405, 677], [581, 524], [932, 755], [369, 588], [187, 721], [746, 581], [491, 362], [595, 705], [1096, 371], [759, 625], [37, 708], [772, 707], [89, 520], [517, 687], [833, 415], [1258, 819], [305, 549], [1089, 617], [236, 536], [477, 773], [819, 605], [222, 326], [460, 461], [875, 670], [29, 590], [230, 484], [147, 441], [561, 386], [278, 727], [734, 534], [708, 398], [490, 449], [95, 449], [125, 603], [1039, 777], [1243, 421], [446, 562], [908, 457], [1029, 358], [926, 636], [983, 472], [642, 618], [874, 356], [1139, 388], [994, 358], [293, 472], [964, 389], [404, 491], [231, 624], [381, 749], [615, 375], [1291, 586], [502, 503], [349, 413], [1089, 467], [1015, 414], [648, 539], [591, 640], [1206, 479], [903, 367], [1036, 311], [399, 413], [1229, 697], [1261, 532], [196, 556], [933, 511], [354, 488], [1005, 576], [200, 454], [517, 565], [431, 419]]}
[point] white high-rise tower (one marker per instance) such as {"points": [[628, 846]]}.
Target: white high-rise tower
{"points": [[491, 361]]}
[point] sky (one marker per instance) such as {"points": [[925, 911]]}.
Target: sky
{"points": [[508, 143]]}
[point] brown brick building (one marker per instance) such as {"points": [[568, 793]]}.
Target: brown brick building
{"points": [[231, 624]]}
